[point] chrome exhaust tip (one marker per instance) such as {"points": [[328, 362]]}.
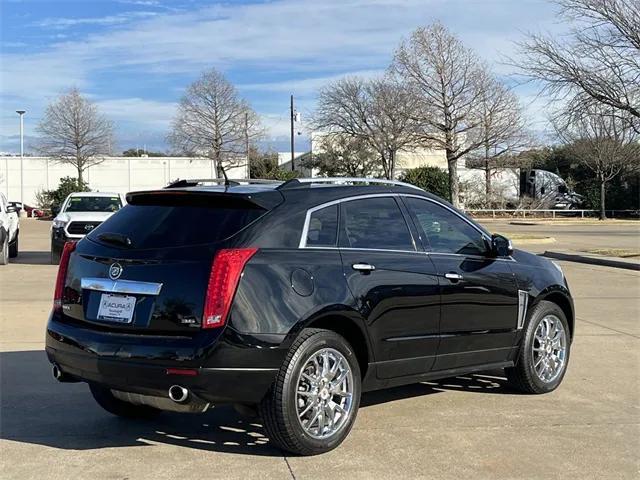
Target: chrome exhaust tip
{"points": [[57, 373], [178, 394]]}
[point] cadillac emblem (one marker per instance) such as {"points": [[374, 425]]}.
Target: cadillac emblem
{"points": [[115, 270]]}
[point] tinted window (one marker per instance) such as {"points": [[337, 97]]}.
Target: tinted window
{"points": [[323, 227], [375, 223], [93, 204], [445, 231], [161, 226]]}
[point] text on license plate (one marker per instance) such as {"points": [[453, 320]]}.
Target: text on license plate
{"points": [[116, 308]]}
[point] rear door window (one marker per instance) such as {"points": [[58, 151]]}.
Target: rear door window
{"points": [[374, 223], [163, 226]]}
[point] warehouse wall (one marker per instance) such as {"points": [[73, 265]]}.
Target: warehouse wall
{"points": [[115, 174]]}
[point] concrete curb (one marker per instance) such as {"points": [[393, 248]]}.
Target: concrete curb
{"points": [[591, 260], [523, 223], [533, 241]]}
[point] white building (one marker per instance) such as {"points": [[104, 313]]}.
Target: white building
{"points": [[405, 159], [115, 174]]}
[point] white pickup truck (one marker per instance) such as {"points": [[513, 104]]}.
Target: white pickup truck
{"points": [[80, 213], [9, 231]]}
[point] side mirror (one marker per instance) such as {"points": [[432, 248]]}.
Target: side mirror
{"points": [[11, 209], [500, 246]]}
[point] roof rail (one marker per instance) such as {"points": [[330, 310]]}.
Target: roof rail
{"points": [[192, 182], [299, 182]]}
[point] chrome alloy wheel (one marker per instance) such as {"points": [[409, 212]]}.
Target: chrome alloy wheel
{"points": [[324, 393], [549, 349]]}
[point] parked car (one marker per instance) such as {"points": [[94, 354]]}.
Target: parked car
{"points": [[294, 298], [32, 212], [80, 213], [9, 230]]}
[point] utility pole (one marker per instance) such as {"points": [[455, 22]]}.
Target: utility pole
{"points": [[292, 136], [246, 142], [21, 113]]}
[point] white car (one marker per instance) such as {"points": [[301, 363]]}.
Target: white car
{"points": [[9, 231], [80, 213]]}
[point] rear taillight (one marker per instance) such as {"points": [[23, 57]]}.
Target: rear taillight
{"points": [[62, 274], [223, 280]]}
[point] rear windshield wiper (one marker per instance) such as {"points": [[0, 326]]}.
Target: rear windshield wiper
{"points": [[115, 238]]}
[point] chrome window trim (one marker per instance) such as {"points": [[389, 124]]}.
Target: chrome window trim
{"points": [[307, 220], [120, 286], [473, 257]]}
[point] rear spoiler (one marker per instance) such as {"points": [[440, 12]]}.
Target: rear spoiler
{"points": [[228, 182], [267, 199]]}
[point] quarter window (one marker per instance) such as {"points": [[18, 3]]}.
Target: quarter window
{"points": [[445, 231], [375, 223], [323, 227]]}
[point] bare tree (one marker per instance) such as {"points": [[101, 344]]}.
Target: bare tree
{"points": [[502, 129], [599, 61], [602, 141], [213, 121], [379, 112], [74, 132], [343, 155], [446, 77]]}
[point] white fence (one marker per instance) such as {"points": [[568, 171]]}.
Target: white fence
{"points": [[115, 174], [522, 213]]}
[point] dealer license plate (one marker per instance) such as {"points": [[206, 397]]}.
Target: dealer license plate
{"points": [[116, 308]]}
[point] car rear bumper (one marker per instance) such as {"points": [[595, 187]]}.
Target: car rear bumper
{"points": [[234, 369]]}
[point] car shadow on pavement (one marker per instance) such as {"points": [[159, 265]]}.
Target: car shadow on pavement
{"points": [[35, 408], [32, 258], [485, 382]]}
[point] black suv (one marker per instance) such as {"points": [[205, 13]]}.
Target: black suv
{"points": [[296, 297]]}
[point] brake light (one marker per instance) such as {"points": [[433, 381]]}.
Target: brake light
{"points": [[223, 280], [62, 274]]}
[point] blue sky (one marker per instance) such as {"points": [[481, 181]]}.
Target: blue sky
{"points": [[134, 58]]}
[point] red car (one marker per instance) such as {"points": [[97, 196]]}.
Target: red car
{"points": [[31, 211]]}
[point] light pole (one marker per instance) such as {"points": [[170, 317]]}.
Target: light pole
{"points": [[292, 140], [21, 113]]}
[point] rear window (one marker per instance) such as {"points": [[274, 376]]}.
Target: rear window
{"points": [[162, 226], [94, 204]]}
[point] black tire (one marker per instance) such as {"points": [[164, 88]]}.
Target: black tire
{"points": [[278, 408], [13, 248], [55, 255], [523, 376], [4, 251], [118, 407]]}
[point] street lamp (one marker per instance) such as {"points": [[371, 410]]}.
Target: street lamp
{"points": [[21, 113]]}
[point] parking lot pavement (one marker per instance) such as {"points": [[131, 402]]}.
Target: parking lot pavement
{"points": [[463, 427]]}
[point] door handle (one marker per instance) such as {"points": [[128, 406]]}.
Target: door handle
{"points": [[363, 267], [454, 277]]}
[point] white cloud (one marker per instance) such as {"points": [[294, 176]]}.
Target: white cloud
{"points": [[273, 47], [144, 3], [306, 86], [62, 23], [145, 114]]}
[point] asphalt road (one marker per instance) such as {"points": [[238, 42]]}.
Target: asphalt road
{"points": [[572, 235], [464, 427]]}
